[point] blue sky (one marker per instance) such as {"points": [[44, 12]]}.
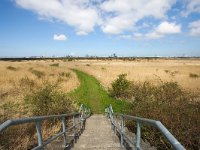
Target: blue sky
{"points": [[99, 27]]}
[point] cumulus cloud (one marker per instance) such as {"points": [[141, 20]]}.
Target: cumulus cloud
{"points": [[113, 16], [168, 28], [77, 13], [124, 14], [163, 29], [59, 37], [195, 28]]}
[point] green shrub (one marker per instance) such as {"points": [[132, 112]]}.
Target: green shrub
{"points": [[55, 65], [121, 87], [166, 102], [48, 100], [11, 68]]}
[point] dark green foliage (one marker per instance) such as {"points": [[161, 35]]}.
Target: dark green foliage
{"points": [[170, 104], [120, 87], [48, 100], [11, 68], [55, 65]]}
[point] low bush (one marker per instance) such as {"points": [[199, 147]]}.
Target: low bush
{"points": [[11, 68], [65, 74], [54, 65], [121, 87], [45, 99], [193, 75], [48, 100], [166, 102], [38, 73]]}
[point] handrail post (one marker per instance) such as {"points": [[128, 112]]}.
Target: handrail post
{"points": [[39, 133], [111, 117], [64, 130], [74, 129], [80, 123], [122, 130], [138, 136]]}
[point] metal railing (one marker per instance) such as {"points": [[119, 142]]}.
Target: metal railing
{"points": [[139, 121], [82, 115]]}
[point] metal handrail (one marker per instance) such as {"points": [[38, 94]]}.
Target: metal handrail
{"points": [[157, 124], [83, 114]]}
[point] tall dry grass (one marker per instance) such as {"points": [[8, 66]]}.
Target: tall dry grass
{"points": [[145, 70], [30, 88]]}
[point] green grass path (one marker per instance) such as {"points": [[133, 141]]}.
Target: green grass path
{"points": [[92, 94]]}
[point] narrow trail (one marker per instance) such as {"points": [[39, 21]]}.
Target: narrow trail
{"points": [[92, 94]]}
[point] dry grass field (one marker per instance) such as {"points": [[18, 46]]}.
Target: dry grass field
{"points": [[15, 75], [184, 71], [24, 85]]}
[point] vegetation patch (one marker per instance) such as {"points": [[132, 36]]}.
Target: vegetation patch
{"points": [[166, 102], [38, 73], [91, 93], [11, 68], [194, 75], [65, 74], [54, 65], [45, 99], [48, 100], [171, 73]]}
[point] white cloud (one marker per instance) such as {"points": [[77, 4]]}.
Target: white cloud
{"points": [[81, 33], [191, 7], [195, 28], [168, 28], [112, 16], [124, 14], [163, 29], [77, 13], [59, 37]]}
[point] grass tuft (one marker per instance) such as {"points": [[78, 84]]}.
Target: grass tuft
{"points": [[38, 73], [54, 65], [193, 75], [11, 68]]}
